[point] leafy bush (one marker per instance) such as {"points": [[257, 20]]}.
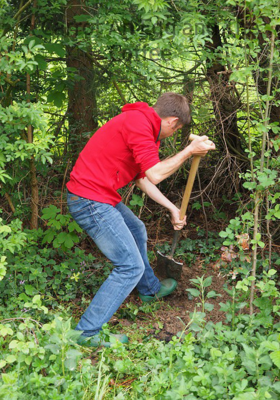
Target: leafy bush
{"points": [[62, 230], [11, 239], [54, 274], [238, 360], [43, 361]]}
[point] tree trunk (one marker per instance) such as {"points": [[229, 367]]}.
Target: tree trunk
{"points": [[33, 173], [81, 90]]}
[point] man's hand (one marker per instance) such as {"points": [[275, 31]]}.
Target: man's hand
{"points": [[177, 223], [201, 145]]}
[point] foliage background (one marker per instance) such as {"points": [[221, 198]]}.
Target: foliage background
{"points": [[67, 67]]}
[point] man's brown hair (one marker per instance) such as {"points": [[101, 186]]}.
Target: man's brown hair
{"points": [[171, 104]]}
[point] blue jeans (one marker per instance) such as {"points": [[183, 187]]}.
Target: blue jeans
{"points": [[122, 238]]}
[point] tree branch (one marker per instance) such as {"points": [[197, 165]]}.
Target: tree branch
{"points": [[20, 11], [119, 91]]}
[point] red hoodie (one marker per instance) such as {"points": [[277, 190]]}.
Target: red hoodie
{"points": [[125, 147]]}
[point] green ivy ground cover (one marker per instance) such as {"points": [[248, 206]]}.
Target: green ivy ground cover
{"points": [[238, 359]]}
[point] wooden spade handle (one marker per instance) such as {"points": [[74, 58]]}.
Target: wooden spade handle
{"points": [[186, 198], [189, 186], [191, 178], [187, 193]]}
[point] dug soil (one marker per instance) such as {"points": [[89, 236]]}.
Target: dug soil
{"points": [[173, 313]]}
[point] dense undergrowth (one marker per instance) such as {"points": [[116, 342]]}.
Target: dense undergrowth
{"points": [[236, 359]]}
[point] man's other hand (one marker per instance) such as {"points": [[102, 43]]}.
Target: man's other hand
{"points": [[177, 223]]}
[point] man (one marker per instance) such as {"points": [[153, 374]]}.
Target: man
{"points": [[126, 149]]}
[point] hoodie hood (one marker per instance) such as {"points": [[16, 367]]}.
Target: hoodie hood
{"points": [[139, 105], [150, 113]]}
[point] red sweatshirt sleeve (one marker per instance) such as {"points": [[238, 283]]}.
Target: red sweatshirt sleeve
{"points": [[138, 134]]}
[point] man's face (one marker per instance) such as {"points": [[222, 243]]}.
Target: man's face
{"points": [[169, 126]]}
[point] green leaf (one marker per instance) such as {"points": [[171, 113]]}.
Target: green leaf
{"points": [[59, 382], [223, 234], [212, 294], [10, 378], [49, 236], [136, 201], [250, 185], [57, 98], [196, 206], [215, 352], [2, 159], [46, 327], [28, 360], [55, 48], [73, 353], [193, 292], [29, 289], [275, 357], [13, 344], [66, 239], [276, 387], [5, 330], [54, 348], [23, 297], [61, 237], [207, 282], [37, 300], [247, 216], [42, 64], [50, 212], [5, 229], [82, 18], [209, 307], [73, 226], [20, 336]]}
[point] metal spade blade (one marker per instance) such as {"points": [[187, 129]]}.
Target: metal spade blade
{"points": [[167, 265]]}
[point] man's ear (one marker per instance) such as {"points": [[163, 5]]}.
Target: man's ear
{"points": [[171, 120], [174, 121]]}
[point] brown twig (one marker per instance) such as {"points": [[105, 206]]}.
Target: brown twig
{"points": [[63, 183], [119, 91], [21, 318]]}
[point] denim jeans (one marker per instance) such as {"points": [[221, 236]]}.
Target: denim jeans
{"points": [[122, 238]]}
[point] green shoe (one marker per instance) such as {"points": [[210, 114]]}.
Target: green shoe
{"points": [[167, 287], [100, 339]]}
